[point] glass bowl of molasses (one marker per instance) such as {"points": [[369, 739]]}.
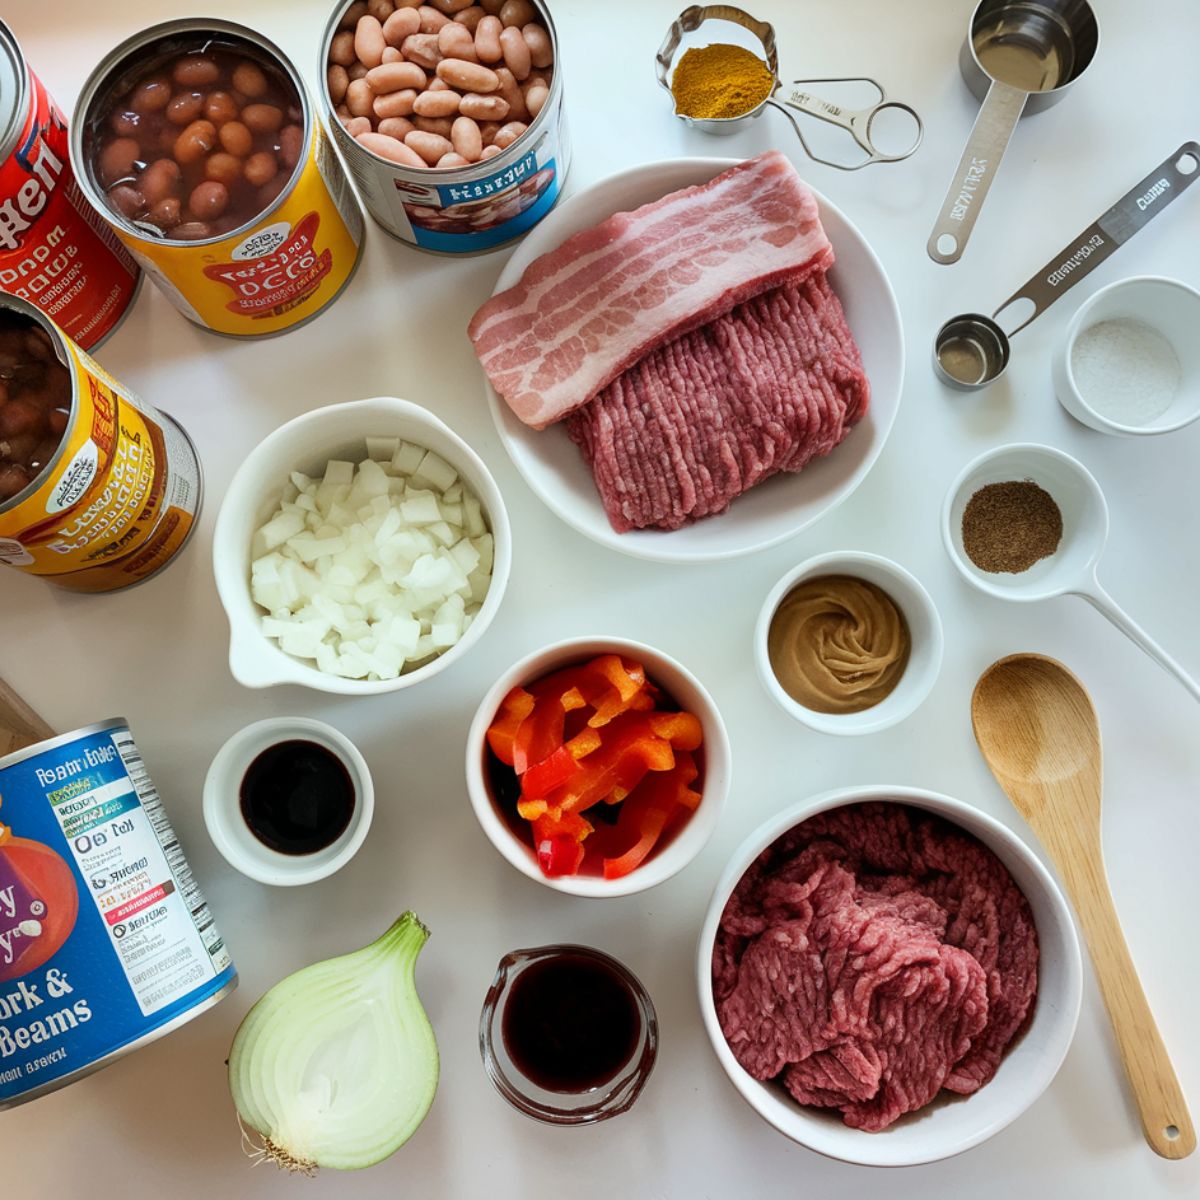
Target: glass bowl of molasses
{"points": [[568, 1034]]}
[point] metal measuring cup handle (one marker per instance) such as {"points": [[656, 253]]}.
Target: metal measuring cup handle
{"points": [[1002, 108], [856, 121], [1136, 209]]}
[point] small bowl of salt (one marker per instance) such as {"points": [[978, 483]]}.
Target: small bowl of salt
{"points": [[1130, 362]]}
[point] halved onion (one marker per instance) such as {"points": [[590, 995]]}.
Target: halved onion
{"points": [[337, 1065]]}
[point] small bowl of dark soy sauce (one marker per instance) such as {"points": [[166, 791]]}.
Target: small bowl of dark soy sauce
{"points": [[568, 1034], [288, 801]]}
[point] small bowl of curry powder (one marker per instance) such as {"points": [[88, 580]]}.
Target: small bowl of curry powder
{"points": [[713, 87]]}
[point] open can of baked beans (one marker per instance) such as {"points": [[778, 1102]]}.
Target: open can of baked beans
{"points": [[54, 250], [98, 490], [197, 141], [508, 181]]}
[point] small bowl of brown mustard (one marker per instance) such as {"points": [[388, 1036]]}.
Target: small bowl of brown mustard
{"points": [[848, 643]]}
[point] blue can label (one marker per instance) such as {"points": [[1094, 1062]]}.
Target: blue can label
{"points": [[481, 205], [104, 934]]}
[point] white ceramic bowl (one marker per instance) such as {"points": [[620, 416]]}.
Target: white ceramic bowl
{"points": [[1170, 307], [924, 627], [553, 466], [949, 1125], [684, 688], [306, 444], [228, 829]]}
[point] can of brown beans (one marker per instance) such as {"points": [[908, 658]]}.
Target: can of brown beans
{"points": [[197, 141], [449, 114], [97, 489], [54, 250]]}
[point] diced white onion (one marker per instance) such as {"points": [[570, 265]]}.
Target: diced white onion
{"points": [[370, 569]]}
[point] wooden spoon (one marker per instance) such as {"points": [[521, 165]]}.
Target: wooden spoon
{"points": [[1037, 729], [20, 726]]}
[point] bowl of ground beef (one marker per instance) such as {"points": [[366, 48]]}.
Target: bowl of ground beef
{"points": [[888, 976]]}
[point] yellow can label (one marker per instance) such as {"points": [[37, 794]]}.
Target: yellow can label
{"points": [[280, 272], [120, 498]]}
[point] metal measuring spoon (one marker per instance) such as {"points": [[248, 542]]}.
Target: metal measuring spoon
{"points": [[972, 350], [856, 122], [1019, 56]]}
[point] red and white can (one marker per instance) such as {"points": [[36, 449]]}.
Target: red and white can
{"points": [[55, 251]]}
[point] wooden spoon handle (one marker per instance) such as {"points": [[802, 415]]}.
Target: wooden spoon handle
{"points": [[20, 726], [1166, 1121]]}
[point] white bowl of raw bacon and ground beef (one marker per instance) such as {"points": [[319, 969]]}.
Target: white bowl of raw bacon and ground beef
{"points": [[888, 976], [796, 363]]}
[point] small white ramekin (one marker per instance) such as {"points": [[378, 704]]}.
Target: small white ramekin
{"points": [[683, 687], [1167, 305], [222, 803], [924, 628], [948, 1125]]}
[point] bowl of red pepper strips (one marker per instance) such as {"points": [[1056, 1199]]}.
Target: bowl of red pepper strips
{"points": [[598, 766]]}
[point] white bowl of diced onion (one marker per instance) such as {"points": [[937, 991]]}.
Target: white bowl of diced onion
{"points": [[360, 549]]}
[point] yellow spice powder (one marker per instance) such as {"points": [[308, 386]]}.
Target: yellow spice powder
{"points": [[720, 81]]}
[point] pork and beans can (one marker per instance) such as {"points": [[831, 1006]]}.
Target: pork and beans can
{"points": [[54, 249], [197, 141], [97, 489], [106, 942], [449, 116]]}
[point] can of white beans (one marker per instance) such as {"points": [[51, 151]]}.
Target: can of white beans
{"points": [[449, 115]]}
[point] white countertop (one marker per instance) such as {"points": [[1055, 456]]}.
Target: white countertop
{"points": [[162, 1119]]}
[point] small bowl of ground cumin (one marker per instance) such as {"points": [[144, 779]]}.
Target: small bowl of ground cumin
{"points": [[1025, 522]]}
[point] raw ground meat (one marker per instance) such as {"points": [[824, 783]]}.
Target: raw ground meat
{"points": [[611, 294], [872, 956], [765, 388]]}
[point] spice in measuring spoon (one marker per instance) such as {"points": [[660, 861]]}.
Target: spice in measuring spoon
{"points": [[1007, 527], [720, 81]]}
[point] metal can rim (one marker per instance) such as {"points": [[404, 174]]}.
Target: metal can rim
{"points": [[118, 56], [10, 125], [61, 739], [444, 174]]}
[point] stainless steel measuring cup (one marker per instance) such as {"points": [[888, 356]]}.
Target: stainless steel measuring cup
{"points": [[1019, 56], [856, 122], [971, 350]]}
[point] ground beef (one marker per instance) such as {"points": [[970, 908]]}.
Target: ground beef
{"points": [[765, 388], [872, 956]]}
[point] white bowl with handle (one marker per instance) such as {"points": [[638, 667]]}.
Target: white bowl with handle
{"points": [[306, 444]]}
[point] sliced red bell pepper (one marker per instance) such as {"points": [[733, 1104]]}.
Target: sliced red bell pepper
{"points": [[550, 773], [647, 811], [584, 742], [682, 729], [629, 747], [558, 843], [514, 708], [541, 733], [560, 855]]}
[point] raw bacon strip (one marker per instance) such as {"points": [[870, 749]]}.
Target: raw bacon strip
{"points": [[608, 296]]}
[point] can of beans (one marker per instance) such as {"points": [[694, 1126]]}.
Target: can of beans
{"points": [[106, 941], [54, 250], [449, 116], [97, 489], [197, 141]]}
